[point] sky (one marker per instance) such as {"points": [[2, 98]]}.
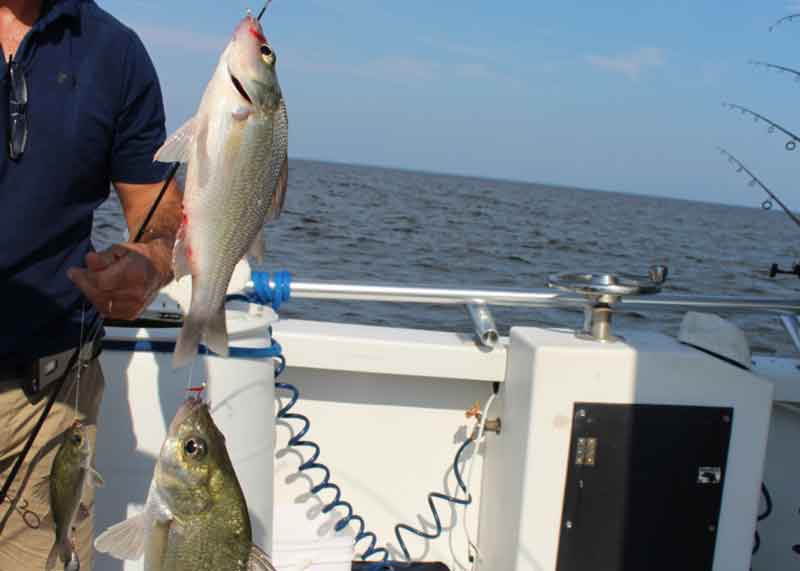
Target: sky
{"points": [[624, 96]]}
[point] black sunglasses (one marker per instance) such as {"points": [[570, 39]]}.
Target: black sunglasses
{"points": [[17, 104]]}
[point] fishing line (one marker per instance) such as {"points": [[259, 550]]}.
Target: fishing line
{"points": [[80, 366], [264, 9], [191, 374]]}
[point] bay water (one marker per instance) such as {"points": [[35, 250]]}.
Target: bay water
{"points": [[376, 225]]}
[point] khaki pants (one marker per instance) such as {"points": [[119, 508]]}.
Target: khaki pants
{"points": [[26, 534]]}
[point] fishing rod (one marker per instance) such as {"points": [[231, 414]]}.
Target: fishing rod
{"points": [[754, 180], [766, 205], [789, 18], [791, 144], [775, 67], [264, 9]]}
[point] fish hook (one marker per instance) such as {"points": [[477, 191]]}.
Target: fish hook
{"points": [[264, 9]]}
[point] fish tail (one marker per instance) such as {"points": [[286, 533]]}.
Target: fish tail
{"points": [[62, 550], [217, 333], [195, 327], [188, 341]]}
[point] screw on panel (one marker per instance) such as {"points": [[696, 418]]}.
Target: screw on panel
{"points": [[712, 528], [581, 413], [726, 418], [568, 524]]}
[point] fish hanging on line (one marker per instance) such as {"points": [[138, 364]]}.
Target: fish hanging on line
{"points": [[70, 474], [195, 517], [235, 148]]}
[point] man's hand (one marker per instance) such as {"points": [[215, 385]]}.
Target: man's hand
{"points": [[123, 280]]}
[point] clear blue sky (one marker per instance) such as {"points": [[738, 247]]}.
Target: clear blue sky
{"points": [[622, 95]]}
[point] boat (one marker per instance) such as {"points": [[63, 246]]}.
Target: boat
{"points": [[550, 449]]}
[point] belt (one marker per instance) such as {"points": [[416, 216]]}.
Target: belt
{"points": [[36, 374]]}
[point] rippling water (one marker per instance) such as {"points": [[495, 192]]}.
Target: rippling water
{"points": [[366, 224]]}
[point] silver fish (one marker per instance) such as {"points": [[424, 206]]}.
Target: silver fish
{"points": [[195, 517], [235, 148]]}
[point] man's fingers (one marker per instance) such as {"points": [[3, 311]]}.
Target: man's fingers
{"points": [[82, 279], [98, 261]]}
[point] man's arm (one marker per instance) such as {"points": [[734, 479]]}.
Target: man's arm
{"points": [[123, 280]]}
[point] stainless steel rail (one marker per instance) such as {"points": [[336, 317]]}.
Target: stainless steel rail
{"points": [[535, 298]]}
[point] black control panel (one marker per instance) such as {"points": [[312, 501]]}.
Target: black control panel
{"points": [[644, 487]]}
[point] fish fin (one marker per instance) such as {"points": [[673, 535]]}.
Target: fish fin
{"points": [[188, 340], [256, 250], [180, 256], [61, 551], [216, 333], [279, 194], [202, 156], [176, 148], [41, 490], [94, 479], [259, 561], [125, 540]]}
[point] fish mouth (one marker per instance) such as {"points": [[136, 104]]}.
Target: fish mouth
{"points": [[190, 405], [238, 85]]}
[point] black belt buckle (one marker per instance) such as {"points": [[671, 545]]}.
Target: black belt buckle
{"points": [[43, 372]]}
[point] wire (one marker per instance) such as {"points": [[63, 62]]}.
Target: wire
{"points": [[434, 512], [481, 430], [325, 484]]}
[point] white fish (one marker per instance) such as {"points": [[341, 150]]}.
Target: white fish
{"points": [[235, 148]]}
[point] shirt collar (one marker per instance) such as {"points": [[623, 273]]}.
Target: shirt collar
{"points": [[52, 10]]}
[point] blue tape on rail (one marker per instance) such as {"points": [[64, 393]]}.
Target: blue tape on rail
{"points": [[265, 294]]}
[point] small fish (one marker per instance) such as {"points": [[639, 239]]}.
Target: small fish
{"points": [[195, 517], [235, 150], [71, 471]]}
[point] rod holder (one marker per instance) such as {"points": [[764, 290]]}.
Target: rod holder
{"points": [[482, 320]]}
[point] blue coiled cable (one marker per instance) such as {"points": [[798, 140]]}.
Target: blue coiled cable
{"points": [[438, 496], [325, 484], [265, 294]]}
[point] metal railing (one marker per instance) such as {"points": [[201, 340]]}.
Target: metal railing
{"points": [[478, 300], [535, 298]]}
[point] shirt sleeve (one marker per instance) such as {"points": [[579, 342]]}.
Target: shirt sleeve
{"points": [[140, 128]]}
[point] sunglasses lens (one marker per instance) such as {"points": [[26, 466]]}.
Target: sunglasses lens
{"points": [[18, 85], [18, 135]]}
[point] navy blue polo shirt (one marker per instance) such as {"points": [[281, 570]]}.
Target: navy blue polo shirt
{"points": [[95, 116]]}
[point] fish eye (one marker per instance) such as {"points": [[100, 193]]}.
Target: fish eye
{"points": [[266, 53], [195, 447], [77, 439]]}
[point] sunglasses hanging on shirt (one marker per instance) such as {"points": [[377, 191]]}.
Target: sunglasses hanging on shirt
{"points": [[17, 106]]}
